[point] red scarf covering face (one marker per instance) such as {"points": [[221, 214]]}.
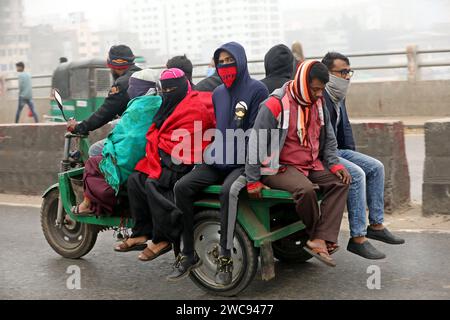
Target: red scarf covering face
{"points": [[300, 90], [190, 110], [228, 73]]}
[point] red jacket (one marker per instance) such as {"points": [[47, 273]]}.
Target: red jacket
{"points": [[179, 126]]}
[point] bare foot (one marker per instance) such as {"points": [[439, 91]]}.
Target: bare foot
{"points": [[83, 207], [130, 242], [320, 244], [157, 247], [316, 243], [155, 251], [135, 241]]}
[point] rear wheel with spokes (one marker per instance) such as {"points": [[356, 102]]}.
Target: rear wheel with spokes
{"points": [[207, 244]]}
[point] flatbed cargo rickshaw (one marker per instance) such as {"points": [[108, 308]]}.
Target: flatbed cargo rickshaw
{"points": [[267, 228]]}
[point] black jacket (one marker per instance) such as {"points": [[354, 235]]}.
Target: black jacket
{"points": [[209, 84], [343, 130], [115, 105], [279, 63]]}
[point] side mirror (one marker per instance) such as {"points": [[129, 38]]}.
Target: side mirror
{"points": [[59, 101]]}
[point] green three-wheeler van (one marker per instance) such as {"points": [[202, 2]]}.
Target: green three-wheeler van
{"points": [[267, 228], [83, 86]]}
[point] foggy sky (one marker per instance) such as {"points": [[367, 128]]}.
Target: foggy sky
{"points": [[103, 12], [422, 22]]}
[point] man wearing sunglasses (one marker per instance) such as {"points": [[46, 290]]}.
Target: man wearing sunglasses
{"points": [[367, 187]]}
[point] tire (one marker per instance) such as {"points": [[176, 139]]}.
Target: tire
{"points": [[73, 240], [245, 257], [290, 249]]}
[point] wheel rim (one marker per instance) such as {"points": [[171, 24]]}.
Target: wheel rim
{"points": [[207, 244], [69, 236]]}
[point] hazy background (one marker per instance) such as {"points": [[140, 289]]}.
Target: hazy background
{"points": [[159, 29]]}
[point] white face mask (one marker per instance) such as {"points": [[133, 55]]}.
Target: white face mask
{"points": [[337, 88]]}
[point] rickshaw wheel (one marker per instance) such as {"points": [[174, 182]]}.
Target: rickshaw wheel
{"points": [[207, 239], [73, 240], [290, 248]]}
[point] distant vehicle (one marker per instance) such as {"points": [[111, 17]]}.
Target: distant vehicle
{"points": [[83, 86], [141, 62]]}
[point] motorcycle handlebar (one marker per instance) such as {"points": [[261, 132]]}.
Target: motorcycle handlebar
{"points": [[73, 135]]}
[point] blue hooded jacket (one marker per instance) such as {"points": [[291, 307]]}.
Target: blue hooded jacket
{"points": [[225, 100]]}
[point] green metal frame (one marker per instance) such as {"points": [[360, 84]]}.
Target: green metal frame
{"points": [[253, 215], [68, 199]]}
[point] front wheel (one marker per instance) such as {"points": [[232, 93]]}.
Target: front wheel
{"points": [[207, 245], [73, 240]]}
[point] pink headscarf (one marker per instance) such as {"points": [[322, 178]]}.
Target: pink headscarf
{"points": [[174, 73]]}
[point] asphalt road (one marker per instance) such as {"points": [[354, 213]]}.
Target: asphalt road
{"points": [[30, 269]]}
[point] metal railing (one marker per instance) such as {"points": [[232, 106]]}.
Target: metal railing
{"points": [[412, 64]]}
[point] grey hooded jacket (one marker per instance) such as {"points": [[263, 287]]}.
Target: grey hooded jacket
{"points": [[271, 125]]}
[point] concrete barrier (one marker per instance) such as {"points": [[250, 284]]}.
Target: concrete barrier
{"points": [[8, 109], [30, 155], [399, 99], [385, 141], [436, 181], [388, 99]]}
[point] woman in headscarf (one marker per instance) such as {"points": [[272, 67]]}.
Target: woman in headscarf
{"points": [[105, 174], [150, 188]]}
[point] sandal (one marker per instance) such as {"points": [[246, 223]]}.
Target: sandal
{"points": [[321, 254], [149, 255], [125, 247], [76, 211], [332, 248]]}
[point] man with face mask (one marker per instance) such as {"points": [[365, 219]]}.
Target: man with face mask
{"points": [[367, 173], [236, 105], [212, 80], [121, 63]]}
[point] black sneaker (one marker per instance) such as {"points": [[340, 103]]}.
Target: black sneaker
{"points": [[365, 250], [224, 274], [182, 267], [384, 236]]}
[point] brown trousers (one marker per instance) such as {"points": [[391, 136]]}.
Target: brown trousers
{"points": [[321, 223]]}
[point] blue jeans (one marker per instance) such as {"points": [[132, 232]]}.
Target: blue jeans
{"points": [[22, 103], [367, 187]]}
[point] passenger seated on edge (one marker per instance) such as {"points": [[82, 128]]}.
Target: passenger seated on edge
{"points": [[150, 188], [367, 187], [307, 155]]}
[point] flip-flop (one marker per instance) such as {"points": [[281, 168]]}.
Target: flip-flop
{"points": [[125, 247], [332, 248], [149, 255], [315, 252], [76, 211]]}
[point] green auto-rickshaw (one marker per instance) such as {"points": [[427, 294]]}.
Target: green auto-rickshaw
{"points": [[83, 86]]}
